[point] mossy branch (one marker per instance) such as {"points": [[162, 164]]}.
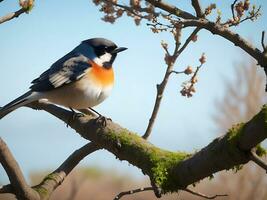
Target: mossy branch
{"points": [[168, 170]]}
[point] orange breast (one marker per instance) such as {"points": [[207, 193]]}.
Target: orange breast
{"points": [[101, 75]]}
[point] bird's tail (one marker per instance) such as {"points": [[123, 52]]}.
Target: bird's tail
{"points": [[23, 100]]}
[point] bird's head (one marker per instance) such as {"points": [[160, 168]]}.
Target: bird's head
{"points": [[105, 51]]}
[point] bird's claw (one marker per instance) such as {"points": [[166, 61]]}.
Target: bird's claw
{"points": [[73, 117], [102, 121]]}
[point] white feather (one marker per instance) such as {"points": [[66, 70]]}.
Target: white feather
{"points": [[102, 59]]}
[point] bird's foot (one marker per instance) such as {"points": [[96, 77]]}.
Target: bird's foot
{"points": [[102, 120], [74, 116]]}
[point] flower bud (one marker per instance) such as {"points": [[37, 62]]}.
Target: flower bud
{"points": [[202, 59], [188, 70]]}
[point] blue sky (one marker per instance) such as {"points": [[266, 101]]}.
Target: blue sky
{"points": [[31, 43]]}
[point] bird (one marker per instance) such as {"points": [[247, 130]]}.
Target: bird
{"points": [[81, 79]]}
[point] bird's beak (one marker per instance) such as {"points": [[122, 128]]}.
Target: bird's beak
{"points": [[119, 49]]}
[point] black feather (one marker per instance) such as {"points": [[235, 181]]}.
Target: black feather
{"points": [[66, 70]]}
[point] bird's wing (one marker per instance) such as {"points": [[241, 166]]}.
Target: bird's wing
{"points": [[66, 70]]}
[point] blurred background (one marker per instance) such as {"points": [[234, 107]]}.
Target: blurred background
{"points": [[230, 90]]}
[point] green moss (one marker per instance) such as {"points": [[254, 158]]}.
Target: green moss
{"points": [[237, 168], [233, 135], [52, 176], [235, 132], [260, 151], [155, 162], [43, 192], [163, 163]]}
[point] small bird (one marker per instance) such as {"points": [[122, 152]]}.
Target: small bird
{"points": [[81, 79]]}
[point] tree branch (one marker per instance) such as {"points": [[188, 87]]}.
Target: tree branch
{"points": [[130, 192], [171, 9], [170, 171], [11, 16], [7, 189], [177, 72], [188, 40], [203, 195], [214, 28], [43, 190], [197, 7], [262, 41], [255, 158], [233, 9], [53, 180], [236, 39], [18, 183], [161, 87]]}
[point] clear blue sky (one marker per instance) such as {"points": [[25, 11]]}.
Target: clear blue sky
{"points": [[31, 43]]}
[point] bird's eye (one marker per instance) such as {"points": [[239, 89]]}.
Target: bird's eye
{"points": [[109, 49]]}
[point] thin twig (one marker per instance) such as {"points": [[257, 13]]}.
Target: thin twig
{"points": [[17, 180], [203, 195], [197, 7], [155, 25], [130, 192], [162, 85], [194, 75], [12, 15], [251, 17], [232, 8], [262, 41], [133, 10], [255, 158], [176, 72], [188, 40]]}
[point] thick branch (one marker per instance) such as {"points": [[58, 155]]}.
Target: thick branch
{"points": [[18, 183], [171, 9], [7, 189], [229, 35], [214, 28], [11, 16], [170, 170]]}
